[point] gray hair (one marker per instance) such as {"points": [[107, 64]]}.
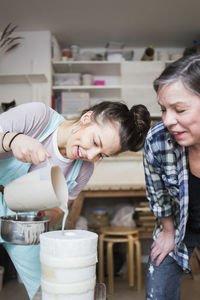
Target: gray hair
{"points": [[185, 69]]}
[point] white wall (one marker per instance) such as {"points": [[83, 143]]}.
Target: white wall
{"points": [[33, 56]]}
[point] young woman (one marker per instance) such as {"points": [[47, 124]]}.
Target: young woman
{"points": [[172, 169], [31, 133]]}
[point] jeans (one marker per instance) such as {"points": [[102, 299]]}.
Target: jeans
{"points": [[163, 281]]}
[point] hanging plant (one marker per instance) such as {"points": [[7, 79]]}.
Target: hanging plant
{"points": [[9, 42]]}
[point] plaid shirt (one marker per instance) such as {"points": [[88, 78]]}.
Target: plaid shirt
{"points": [[166, 174]]}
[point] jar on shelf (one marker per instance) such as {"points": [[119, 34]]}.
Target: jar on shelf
{"points": [[75, 51], [100, 218], [87, 79], [148, 53], [66, 52]]}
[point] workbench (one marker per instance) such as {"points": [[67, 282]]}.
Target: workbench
{"points": [[100, 191], [120, 176]]}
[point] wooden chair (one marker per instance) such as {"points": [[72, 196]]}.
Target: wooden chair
{"points": [[120, 234]]}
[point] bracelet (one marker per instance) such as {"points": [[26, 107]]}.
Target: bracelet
{"points": [[14, 138], [3, 140]]}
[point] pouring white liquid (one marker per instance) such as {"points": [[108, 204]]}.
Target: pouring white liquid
{"points": [[64, 220]]}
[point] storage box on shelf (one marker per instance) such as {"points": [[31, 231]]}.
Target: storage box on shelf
{"points": [[68, 79], [73, 103]]}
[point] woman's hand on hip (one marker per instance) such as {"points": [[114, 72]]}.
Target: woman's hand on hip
{"points": [[28, 149], [162, 246]]}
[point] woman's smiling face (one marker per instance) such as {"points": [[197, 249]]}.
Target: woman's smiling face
{"points": [[92, 141], [180, 113]]}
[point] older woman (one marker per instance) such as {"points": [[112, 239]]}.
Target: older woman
{"points": [[32, 132], [172, 170]]}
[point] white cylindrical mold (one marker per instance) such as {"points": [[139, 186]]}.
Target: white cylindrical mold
{"points": [[68, 263]]}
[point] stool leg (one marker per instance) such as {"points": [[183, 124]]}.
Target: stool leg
{"points": [[110, 267], [139, 268], [101, 258], [130, 260]]}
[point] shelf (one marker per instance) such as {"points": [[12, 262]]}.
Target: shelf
{"points": [[86, 87], [94, 67], [92, 62], [83, 62], [22, 78]]}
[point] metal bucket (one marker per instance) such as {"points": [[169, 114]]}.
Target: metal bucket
{"points": [[23, 229]]}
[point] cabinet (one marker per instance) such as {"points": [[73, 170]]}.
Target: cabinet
{"points": [[129, 81]]}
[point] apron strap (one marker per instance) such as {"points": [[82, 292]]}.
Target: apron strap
{"points": [[71, 180], [55, 121]]}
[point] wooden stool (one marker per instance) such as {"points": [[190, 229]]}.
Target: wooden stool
{"points": [[120, 234]]}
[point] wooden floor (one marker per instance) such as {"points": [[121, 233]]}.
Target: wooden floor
{"points": [[190, 290]]}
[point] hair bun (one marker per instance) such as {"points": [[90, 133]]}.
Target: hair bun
{"points": [[142, 121]]}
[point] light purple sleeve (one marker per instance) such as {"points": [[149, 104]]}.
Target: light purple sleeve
{"points": [[30, 119]]}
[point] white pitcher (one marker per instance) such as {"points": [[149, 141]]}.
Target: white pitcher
{"points": [[38, 190]]}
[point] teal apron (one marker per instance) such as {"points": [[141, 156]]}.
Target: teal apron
{"points": [[27, 258]]}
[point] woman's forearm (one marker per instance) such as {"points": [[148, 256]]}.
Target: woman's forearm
{"points": [[168, 224], [5, 139], [164, 243]]}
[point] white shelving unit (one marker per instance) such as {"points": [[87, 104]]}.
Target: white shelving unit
{"points": [[130, 81], [108, 71]]}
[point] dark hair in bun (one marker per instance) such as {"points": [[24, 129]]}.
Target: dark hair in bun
{"points": [[134, 123]]}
